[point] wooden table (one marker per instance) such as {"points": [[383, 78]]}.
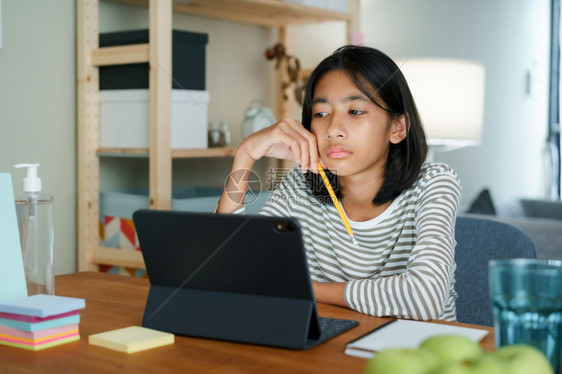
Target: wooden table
{"points": [[114, 301]]}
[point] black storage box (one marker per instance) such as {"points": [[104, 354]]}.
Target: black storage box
{"points": [[188, 61]]}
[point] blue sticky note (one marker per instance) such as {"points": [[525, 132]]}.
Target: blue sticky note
{"points": [[12, 273], [42, 305]]}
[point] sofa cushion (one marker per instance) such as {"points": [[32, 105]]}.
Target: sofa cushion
{"points": [[542, 208], [483, 204], [545, 233]]}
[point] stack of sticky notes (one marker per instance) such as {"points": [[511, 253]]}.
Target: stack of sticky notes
{"points": [[131, 339], [40, 321]]}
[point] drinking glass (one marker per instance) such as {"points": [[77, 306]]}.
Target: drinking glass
{"points": [[526, 297]]}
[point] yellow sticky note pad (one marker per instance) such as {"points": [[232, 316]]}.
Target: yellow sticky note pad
{"points": [[131, 339]]}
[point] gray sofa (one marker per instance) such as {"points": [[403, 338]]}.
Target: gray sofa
{"points": [[541, 220]]}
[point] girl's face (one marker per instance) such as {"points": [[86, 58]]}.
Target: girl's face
{"points": [[352, 132]]}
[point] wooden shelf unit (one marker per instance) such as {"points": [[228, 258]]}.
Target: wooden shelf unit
{"points": [[270, 13]]}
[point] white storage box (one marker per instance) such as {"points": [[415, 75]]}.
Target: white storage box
{"points": [[124, 119]]}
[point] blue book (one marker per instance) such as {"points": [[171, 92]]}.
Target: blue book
{"points": [[37, 326], [42, 305]]}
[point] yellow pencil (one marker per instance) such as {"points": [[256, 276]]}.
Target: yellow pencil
{"points": [[336, 203]]}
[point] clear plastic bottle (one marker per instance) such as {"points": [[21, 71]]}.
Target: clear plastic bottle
{"points": [[35, 211]]}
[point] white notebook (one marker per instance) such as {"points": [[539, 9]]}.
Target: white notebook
{"points": [[402, 333]]}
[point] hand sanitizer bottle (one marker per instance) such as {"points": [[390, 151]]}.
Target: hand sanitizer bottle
{"points": [[36, 226]]}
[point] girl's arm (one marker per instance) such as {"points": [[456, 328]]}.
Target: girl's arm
{"points": [[287, 140], [330, 293]]}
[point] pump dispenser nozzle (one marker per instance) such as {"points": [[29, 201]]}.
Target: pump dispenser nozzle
{"points": [[31, 183]]}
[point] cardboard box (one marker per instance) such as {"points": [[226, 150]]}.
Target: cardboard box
{"points": [[124, 119]]}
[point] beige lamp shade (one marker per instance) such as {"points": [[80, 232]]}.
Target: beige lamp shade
{"points": [[449, 95]]}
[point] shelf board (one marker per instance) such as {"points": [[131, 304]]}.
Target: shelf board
{"points": [[257, 12], [129, 54], [118, 257], [176, 153]]}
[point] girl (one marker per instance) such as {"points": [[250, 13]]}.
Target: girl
{"points": [[360, 121]]}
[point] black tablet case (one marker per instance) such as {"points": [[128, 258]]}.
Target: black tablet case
{"points": [[241, 278]]}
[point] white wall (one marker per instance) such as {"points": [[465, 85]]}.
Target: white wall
{"points": [[37, 107], [37, 87], [510, 38]]}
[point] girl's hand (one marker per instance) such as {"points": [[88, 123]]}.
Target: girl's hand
{"points": [[287, 140]]}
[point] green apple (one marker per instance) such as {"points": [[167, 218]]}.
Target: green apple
{"points": [[401, 361], [451, 348], [524, 359], [486, 364]]}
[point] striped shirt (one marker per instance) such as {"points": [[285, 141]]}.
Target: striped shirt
{"points": [[404, 264]]}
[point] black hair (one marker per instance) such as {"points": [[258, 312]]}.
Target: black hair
{"points": [[380, 79]]}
